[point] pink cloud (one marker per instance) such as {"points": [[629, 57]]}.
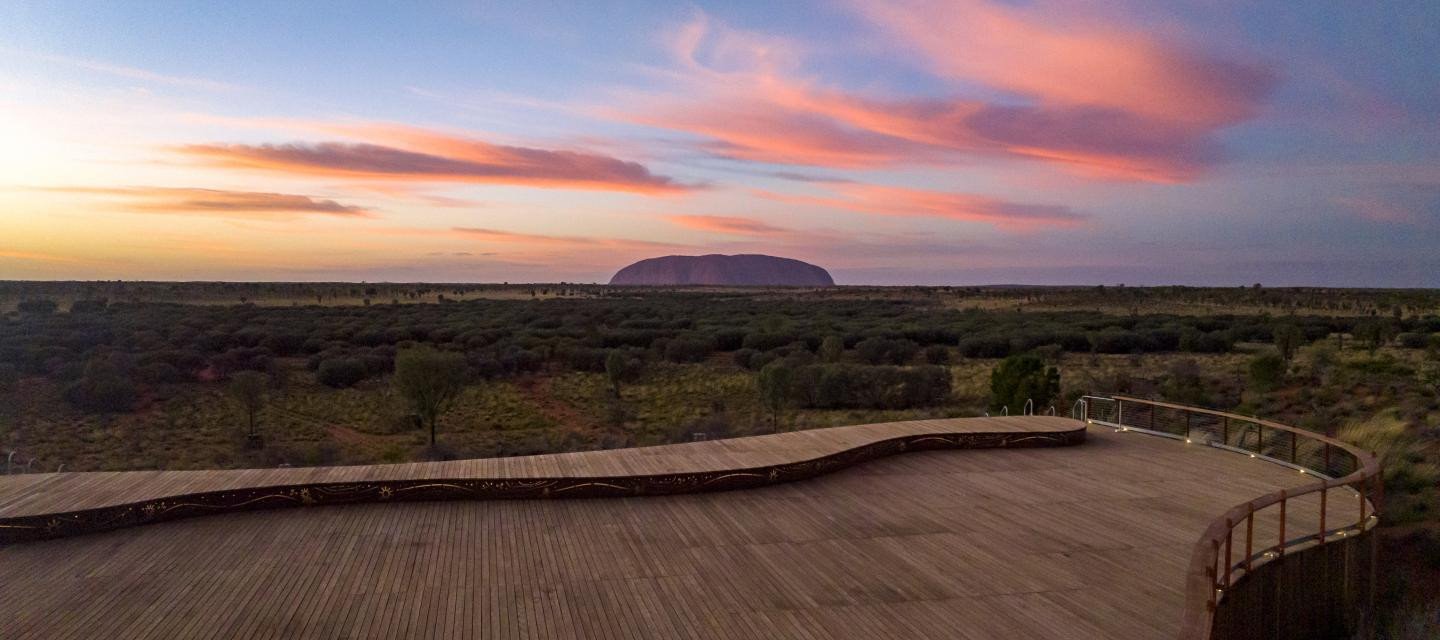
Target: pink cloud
{"points": [[898, 201], [1150, 114], [1058, 56]]}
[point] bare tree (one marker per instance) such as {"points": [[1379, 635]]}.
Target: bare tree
{"points": [[248, 389], [1288, 339], [774, 382], [429, 380]]}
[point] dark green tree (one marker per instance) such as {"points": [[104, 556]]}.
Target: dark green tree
{"points": [[1023, 377], [9, 378]]}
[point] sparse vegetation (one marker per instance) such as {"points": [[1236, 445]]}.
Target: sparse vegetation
{"points": [[108, 376]]}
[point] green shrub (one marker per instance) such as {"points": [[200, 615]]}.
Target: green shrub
{"points": [[102, 389], [9, 377], [936, 354], [689, 349], [1267, 372], [340, 372], [39, 307], [1412, 340], [1020, 378], [886, 351]]}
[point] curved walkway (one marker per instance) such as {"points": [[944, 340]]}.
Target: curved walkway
{"points": [[1074, 542], [43, 506]]}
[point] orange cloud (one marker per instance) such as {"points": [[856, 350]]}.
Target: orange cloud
{"points": [[417, 155], [729, 225], [250, 205], [412, 194], [898, 201], [511, 237]]}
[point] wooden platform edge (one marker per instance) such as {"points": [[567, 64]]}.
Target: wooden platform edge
{"points": [[46, 526]]}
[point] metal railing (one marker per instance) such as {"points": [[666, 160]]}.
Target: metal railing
{"points": [[1344, 473], [15, 466]]}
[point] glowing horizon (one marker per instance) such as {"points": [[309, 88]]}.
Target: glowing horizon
{"points": [[902, 142]]}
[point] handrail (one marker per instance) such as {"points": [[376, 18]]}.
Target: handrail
{"points": [[1209, 576]]}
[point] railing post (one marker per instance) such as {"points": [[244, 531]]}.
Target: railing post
{"points": [[1119, 412], [1324, 491], [1282, 522], [1229, 557], [1327, 458], [1225, 435], [1294, 444], [1214, 574], [1187, 425], [1249, 536], [1363, 482]]}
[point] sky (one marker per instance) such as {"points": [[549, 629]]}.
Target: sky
{"points": [[1215, 142]]}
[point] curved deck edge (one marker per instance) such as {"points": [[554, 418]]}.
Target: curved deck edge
{"points": [[46, 526]]}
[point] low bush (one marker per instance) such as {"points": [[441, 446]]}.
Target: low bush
{"points": [[340, 372]]}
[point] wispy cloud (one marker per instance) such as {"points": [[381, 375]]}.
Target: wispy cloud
{"points": [[1416, 206], [135, 73], [727, 225], [898, 201], [391, 152], [249, 205], [34, 256], [498, 236]]}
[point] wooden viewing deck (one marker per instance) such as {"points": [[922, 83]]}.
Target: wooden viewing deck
{"points": [[1086, 541]]}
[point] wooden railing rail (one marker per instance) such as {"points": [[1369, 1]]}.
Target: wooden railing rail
{"points": [[1213, 567]]}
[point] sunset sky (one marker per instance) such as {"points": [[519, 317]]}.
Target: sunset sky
{"points": [[892, 142]]}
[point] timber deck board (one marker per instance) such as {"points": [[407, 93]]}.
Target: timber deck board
{"points": [[1081, 542]]}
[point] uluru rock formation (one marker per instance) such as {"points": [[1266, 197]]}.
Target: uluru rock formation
{"points": [[715, 269]]}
